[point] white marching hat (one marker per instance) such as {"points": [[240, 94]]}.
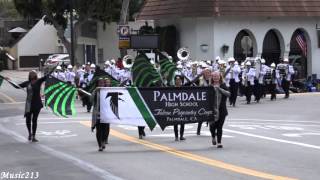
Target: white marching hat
{"points": [[236, 63], [221, 61], [69, 66], [92, 66], [218, 58], [273, 65], [263, 61], [179, 66], [113, 61], [231, 59], [286, 60], [107, 62], [248, 63], [58, 68]]}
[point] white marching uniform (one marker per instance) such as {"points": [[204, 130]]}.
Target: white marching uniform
{"points": [[70, 76], [262, 73], [232, 74], [59, 75], [249, 75], [125, 75]]}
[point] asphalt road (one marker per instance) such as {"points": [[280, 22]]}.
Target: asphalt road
{"points": [[269, 140]]}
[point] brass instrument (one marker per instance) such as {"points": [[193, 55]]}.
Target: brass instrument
{"points": [[128, 61], [183, 54]]}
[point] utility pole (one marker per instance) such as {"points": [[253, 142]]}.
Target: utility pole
{"points": [[124, 20], [72, 33]]}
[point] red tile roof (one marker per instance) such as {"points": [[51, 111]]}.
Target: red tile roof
{"points": [[161, 9]]}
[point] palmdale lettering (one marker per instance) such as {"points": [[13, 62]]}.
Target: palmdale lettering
{"points": [[179, 96]]}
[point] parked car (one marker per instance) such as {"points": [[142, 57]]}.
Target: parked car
{"points": [[56, 59]]}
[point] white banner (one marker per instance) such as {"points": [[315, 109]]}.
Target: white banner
{"points": [[117, 107]]}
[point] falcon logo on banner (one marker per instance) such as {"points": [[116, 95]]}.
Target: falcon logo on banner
{"points": [[127, 106], [114, 105]]}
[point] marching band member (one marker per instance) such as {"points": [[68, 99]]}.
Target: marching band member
{"points": [[178, 83], [220, 112], [59, 74], [102, 126], [286, 71], [215, 65], [263, 72], [232, 80], [271, 80], [258, 82], [70, 75], [248, 76], [205, 80], [84, 82]]}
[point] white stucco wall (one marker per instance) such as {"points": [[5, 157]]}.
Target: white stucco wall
{"points": [[217, 32], [41, 39]]}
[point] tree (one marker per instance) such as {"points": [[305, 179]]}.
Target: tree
{"points": [[8, 10], [56, 13]]}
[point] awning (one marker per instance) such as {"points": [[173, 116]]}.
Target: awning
{"points": [[18, 30]]}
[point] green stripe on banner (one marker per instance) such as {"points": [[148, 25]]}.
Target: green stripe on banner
{"points": [[142, 107]]}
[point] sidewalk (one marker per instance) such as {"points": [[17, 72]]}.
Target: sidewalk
{"points": [[16, 75]]}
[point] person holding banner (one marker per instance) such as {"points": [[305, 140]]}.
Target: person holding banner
{"points": [[178, 83], [33, 102], [220, 104], [97, 123]]}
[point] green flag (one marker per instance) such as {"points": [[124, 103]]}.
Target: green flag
{"points": [[167, 68], [60, 97], [143, 72], [99, 73]]}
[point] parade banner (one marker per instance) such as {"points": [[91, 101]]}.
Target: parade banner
{"points": [[151, 106]]}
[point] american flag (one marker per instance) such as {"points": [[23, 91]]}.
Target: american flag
{"points": [[302, 43]]}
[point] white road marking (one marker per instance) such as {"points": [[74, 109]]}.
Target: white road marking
{"points": [[273, 120], [300, 134], [266, 127], [90, 168], [277, 124], [273, 139]]}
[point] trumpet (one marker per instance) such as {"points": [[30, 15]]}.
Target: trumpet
{"points": [[128, 61]]}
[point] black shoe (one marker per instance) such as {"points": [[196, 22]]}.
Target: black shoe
{"points": [[219, 146], [176, 139], [248, 102], [140, 136], [34, 139], [234, 105], [214, 141], [143, 133], [198, 133], [100, 149], [103, 147], [106, 142], [29, 138], [182, 138]]}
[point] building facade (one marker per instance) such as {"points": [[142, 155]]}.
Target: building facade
{"points": [[268, 29]]}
